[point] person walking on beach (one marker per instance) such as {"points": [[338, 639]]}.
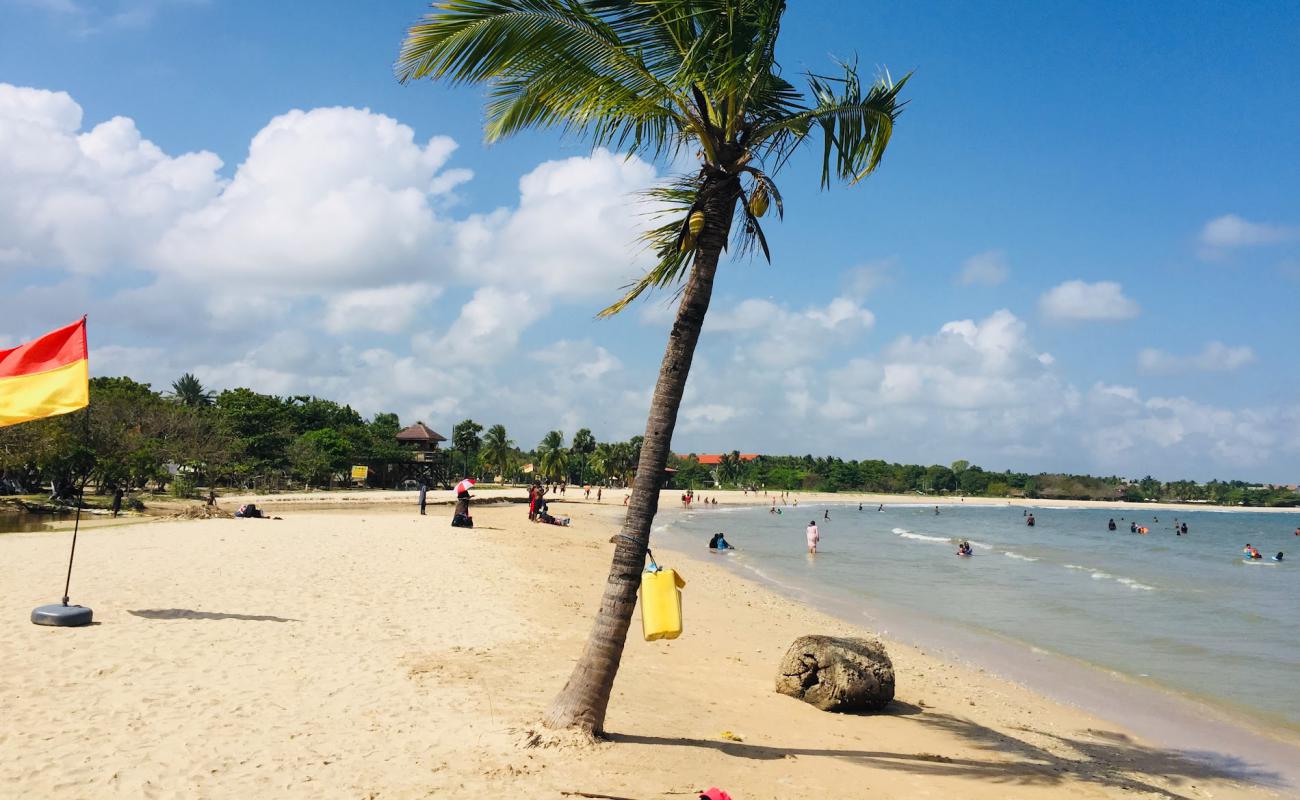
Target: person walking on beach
{"points": [[813, 537], [598, 493], [424, 495]]}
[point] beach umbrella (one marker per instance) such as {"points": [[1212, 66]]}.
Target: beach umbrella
{"points": [[464, 486]]}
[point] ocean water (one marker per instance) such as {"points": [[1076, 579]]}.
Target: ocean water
{"points": [[1182, 611]]}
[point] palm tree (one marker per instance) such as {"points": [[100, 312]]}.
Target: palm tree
{"points": [[188, 391], [552, 458], [497, 450], [660, 78], [601, 459], [584, 444], [729, 467]]}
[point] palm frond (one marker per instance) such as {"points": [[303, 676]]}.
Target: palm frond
{"points": [[672, 203], [855, 127], [552, 62]]}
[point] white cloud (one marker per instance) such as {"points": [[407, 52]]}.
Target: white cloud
{"points": [[575, 231], [87, 201], [1214, 357], [582, 359], [1077, 301], [776, 337], [1230, 231], [985, 269], [389, 309], [333, 197]]}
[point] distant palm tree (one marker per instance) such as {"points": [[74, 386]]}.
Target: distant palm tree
{"points": [[498, 450], [188, 391], [729, 467], [552, 458], [663, 78], [600, 460], [584, 444]]}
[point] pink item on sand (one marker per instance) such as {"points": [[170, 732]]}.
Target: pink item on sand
{"points": [[715, 794]]}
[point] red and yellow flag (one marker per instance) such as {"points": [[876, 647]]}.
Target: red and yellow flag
{"points": [[45, 377]]}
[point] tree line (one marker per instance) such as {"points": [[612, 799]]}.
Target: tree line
{"points": [[135, 438]]}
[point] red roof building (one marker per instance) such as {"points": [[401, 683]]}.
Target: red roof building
{"points": [[716, 459]]}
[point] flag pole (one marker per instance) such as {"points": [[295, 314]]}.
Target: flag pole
{"points": [[76, 524]]}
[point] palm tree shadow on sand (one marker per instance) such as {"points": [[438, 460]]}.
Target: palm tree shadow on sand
{"points": [[1103, 758], [185, 613]]}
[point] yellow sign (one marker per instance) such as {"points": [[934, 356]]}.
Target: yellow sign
{"points": [[360, 473]]}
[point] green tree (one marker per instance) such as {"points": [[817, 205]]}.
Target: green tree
{"points": [[584, 444], [188, 391], [261, 426], [729, 468], [498, 450], [553, 459], [465, 436], [668, 77], [318, 455]]}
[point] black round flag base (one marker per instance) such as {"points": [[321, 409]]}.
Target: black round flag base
{"points": [[61, 616]]}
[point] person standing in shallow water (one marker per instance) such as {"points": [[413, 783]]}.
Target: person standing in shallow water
{"points": [[813, 536]]}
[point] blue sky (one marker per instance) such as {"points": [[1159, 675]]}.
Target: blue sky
{"points": [[1082, 251]]}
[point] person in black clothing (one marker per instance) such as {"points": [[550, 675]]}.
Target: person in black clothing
{"points": [[462, 519], [1110, 526], [117, 500]]}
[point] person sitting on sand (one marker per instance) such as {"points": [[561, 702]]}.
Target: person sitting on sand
{"points": [[461, 517], [813, 536]]}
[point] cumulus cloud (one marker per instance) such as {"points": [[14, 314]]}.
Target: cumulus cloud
{"points": [[1231, 231], [1214, 357], [336, 197], [86, 201], [774, 336], [574, 232], [389, 309], [985, 269], [1077, 301]]}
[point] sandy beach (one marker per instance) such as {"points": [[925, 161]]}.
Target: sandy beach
{"points": [[355, 649]]}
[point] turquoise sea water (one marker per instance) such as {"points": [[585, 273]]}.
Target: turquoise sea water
{"points": [[1182, 611]]}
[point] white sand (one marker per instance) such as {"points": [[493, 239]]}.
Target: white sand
{"points": [[375, 653]]}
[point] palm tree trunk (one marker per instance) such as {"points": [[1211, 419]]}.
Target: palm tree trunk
{"points": [[582, 703]]}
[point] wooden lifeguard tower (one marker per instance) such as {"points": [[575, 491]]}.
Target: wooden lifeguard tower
{"points": [[425, 460]]}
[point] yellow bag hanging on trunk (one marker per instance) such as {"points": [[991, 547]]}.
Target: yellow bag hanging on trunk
{"points": [[661, 603]]}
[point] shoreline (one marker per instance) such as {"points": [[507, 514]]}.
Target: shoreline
{"points": [[373, 651], [1225, 735], [669, 499]]}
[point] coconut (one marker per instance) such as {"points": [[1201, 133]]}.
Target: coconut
{"points": [[696, 223], [688, 244], [758, 200]]}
